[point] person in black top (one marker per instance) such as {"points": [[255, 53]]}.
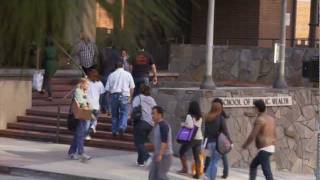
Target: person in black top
{"points": [[224, 157], [109, 56], [141, 64], [215, 124]]}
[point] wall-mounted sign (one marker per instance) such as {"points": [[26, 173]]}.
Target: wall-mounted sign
{"points": [[248, 101]]}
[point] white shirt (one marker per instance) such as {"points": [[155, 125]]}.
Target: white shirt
{"points": [[190, 122], [270, 149], [120, 81], [147, 103], [93, 95]]}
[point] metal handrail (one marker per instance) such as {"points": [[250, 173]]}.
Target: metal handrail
{"points": [[69, 93], [59, 115], [69, 56]]}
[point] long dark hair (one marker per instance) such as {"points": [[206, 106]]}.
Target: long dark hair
{"points": [[223, 113], [194, 110]]}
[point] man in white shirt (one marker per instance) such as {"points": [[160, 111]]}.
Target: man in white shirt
{"points": [[120, 86]]}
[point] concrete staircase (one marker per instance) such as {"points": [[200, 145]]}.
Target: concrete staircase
{"points": [[40, 122]]}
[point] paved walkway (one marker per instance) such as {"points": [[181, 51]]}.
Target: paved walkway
{"points": [[106, 164]]}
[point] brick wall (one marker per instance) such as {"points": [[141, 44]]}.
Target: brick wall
{"points": [[233, 19], [245, 19]]}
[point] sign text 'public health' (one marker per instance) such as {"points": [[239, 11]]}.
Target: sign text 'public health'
{"points": [[248, 101]]}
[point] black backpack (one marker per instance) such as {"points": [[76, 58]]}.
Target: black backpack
{"points": [[136, 114]]}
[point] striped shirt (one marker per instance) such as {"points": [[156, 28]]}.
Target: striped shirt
{"points": [[86, 53]]}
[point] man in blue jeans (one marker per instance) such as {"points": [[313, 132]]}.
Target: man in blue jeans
{"points": [[264, 134], [120, 87]]}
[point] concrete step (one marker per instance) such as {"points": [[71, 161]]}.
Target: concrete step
{"points": [[65, 80], [63, 130], [66, 139], [55, 94], [55, 102], [63, 122], [62, 87], [103, 118]]}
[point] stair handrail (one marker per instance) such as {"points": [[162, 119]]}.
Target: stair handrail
{"points": [[59, 114], [70, 57]]}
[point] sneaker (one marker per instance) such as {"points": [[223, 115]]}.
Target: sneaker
{"points": [[73, 157], [148, 161], [93, 130], [88, 138], [121, 133], [85, 157], [224, 176], [114, 135]]}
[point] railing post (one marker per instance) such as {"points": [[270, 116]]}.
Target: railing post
{"points": [[58, 124]]}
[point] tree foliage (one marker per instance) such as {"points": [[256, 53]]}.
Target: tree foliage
{"points": [[25, 23]]}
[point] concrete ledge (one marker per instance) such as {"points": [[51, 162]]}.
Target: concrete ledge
{"points": [[63, 73], [17, 171], [29, 72]]}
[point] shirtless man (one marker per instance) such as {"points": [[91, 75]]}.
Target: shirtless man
{"points": [[264, 134]]}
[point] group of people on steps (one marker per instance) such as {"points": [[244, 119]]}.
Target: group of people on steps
{"points": [[124, 85]]}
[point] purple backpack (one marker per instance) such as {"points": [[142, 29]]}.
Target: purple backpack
{"points": [[185, 134]]}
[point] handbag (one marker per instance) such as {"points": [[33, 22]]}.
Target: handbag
{"points": [[37, 81], [136, 114], [223, 144], [80, 113], [186, 135]]}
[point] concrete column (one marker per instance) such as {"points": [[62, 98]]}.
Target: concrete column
{"points": [[208, 81], [280, 81], [313, 23]]}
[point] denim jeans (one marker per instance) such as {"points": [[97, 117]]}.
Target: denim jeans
{"points": [[77, 144], [120, 112], [159, 170], [225, 165], [141, 133], [93, 122], [263, 159], [46, 85], [211, 172], [138, 82]]}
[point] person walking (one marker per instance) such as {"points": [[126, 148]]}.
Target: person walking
{"points": [[87, 53], [194, 118], [143, 127], [76, 150], [50, 61], [95, 91], [108, 60], [120, 86], [162, 157], [141, 64], [264, 134], [125, 59], [225, 163], [215, 124]]}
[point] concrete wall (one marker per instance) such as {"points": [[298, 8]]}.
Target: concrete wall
{"points": [[15, 98], [238, 63], [296, 134]]}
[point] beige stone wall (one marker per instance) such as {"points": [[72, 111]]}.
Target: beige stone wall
{"points": [[15, 98], [296, 133]]}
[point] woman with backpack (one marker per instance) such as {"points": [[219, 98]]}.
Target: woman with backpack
{"points": [[215, 124], [143, 124], [224, 157], [194, 118]]}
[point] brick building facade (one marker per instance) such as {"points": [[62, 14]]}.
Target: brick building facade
{"points": [[250, 22]]}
